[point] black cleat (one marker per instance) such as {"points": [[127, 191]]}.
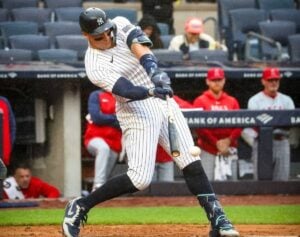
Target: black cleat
{"points": [[222, 227], [74, 216]]}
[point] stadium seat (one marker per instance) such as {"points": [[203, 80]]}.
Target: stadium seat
{"points": [[11, 4], [62, 3], [163, 28], [74, 42], [278, 31], [166, 39], [286, 15], [30, 42], [53, 29], [165, 55], [130, 14], [206, 55], [241, 22], [224, 6], [68, 13], [57, 55], [294, 47], [32, 14], [9, 28], [4, 15], [269, 5], [15, 55]]}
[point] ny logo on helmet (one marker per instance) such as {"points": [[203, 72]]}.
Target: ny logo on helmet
{"points": [[100, 21]]}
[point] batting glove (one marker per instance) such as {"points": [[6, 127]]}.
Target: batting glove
{"points": [[160, 78], [161, 92]]}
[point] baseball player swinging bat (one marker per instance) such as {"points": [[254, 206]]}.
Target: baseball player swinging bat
{"points": [[173, 134]]}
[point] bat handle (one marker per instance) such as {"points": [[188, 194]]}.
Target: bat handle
{"points": [[170, 112]]}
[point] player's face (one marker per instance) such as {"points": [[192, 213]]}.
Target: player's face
{"points": [[23, 177], [192, 38], [102, 41], [216, 85], [271, 86]]}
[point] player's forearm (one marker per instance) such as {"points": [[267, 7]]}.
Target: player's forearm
{"points": [[126, 89], [140, 50]]}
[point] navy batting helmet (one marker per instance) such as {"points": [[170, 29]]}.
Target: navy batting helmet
{"points": [[94, 21]]}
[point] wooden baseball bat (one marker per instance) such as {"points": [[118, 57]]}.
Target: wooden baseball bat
{"points": [[173, 133]]}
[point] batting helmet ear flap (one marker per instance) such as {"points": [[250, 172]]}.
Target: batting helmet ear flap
{"points": [[113, 32]]}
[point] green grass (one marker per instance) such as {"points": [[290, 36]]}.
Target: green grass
{"points": [[280, 214]]}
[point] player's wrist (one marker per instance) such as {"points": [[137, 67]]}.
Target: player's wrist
{"points": [[151, 92], [149, 63]]}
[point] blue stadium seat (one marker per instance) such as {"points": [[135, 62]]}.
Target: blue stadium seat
{"points": [[4, 16], [269, 5], [11, 4], [164, 28], [294, 47], [9, 28], [241, 22], [286, 15], [130, 14], [15, 55], [57, 55], [32, 14], [74, 42], [30, 42], [278, 31], [166, 39], [165, 55], [224, 6], [53, 29], [62, 3], [68, 13], [206, 55]]}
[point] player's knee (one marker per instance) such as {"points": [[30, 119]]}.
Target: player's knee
{"points": [[103, 149], [145, 183], [140, 181]]}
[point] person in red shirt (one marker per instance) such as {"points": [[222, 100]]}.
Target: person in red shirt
{"points": [[23, 185], [164, 167], [217, 142], [8, 130], [102, 137], [7, 139]]}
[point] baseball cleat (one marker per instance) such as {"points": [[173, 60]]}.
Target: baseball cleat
{"points": [[223, 228], [74, 216]]}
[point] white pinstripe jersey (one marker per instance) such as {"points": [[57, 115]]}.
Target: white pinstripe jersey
{"points": [[105, 67], [143, 122]]}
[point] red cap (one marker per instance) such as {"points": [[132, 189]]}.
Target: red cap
{"points": [[194, 25], [271, 73], [215, 73]]}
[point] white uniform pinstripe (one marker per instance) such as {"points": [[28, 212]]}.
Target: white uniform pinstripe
{"points": [[143, 122], [281, 149]]}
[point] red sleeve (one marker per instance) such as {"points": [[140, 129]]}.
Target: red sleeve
{"points": [[162, 156], [45, 189], [4, 195], [182, 103], [206, 134]]}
